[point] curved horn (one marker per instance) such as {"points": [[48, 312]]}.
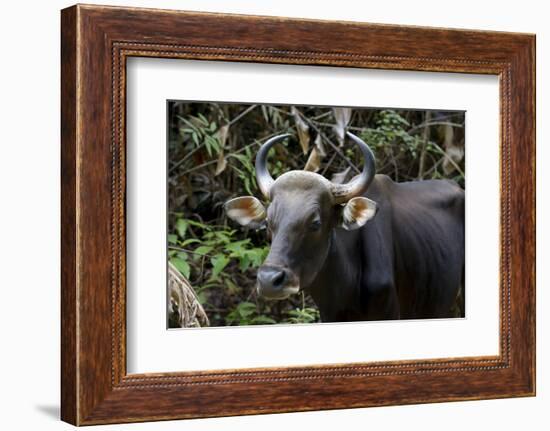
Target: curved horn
{"points": [[263, 177], [344, 192]]}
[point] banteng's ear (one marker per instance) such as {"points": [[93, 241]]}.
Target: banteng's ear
{"points": [[356, 212], [247, 211]]}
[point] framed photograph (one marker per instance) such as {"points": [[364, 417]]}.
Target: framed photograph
{"points": [[258, 208]]}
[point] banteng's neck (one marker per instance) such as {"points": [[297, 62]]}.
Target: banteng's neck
{"points": [[336, 288]]}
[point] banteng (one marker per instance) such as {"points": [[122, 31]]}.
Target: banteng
{"points": [[370, 249]]}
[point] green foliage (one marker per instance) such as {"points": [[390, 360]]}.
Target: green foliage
{"points": [[390, 130], [180, 262], [246, 313], [303, 315], [245, 170], [212, 148], [181, 227], [202, 132], [212, 249], [219, 262]]}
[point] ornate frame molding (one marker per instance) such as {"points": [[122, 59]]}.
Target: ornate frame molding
{"points": [[96, 41]]}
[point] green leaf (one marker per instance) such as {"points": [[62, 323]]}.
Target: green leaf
{"points": [[305, 315], [257, 255], [232, 288], [197, 224], [242, 313], [203, 249], [182, 266], [263, 320], [212, 143], [182, 255], [181, 227], [219, 262], [189, 241], [208, 144], [244, 263], [172, 239], [203, 119], [246, 309], [237, 248], [201, 296]]}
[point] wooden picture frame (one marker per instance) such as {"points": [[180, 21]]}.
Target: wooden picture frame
{"points": [[95, 43]]}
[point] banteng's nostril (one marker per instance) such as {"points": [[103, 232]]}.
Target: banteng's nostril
{"points": [[278, 279], [270, 277]]}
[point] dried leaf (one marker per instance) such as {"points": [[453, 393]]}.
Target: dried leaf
{"points": [[320, 146], [340, 177], [222, 135], [222, 138], [342, 117], [314, 161], [222, 163], [454, 150], [303, 129]]}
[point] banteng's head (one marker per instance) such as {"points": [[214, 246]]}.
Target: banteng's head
{"points": [[304, 209]]}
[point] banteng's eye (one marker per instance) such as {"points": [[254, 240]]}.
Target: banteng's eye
{"points": [[315, 225]]}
